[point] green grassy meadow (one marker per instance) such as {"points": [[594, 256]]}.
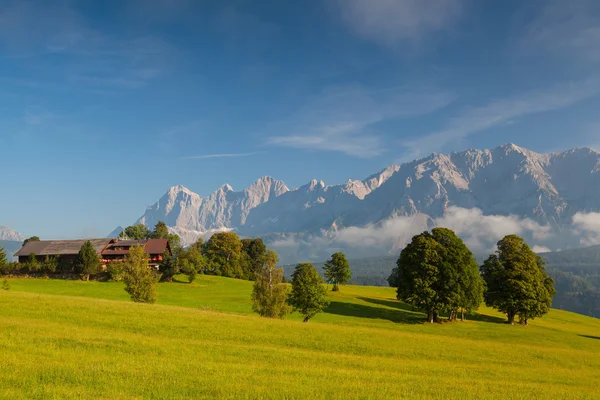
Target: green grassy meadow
{"points": [[86, 340]]}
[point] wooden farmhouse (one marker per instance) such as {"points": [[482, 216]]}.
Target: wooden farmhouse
{"points": [[107, 249]]}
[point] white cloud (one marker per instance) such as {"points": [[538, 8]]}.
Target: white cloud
{"points": [[342, 119], [482, 232], [540, 249], [479, 232], [504, 111], [588, 226], [390, 22]]}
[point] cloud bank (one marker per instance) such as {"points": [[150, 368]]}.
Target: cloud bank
{"points": [[480, 233], [587, 225]]}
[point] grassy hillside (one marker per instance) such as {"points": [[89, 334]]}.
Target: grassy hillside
{"points": [[71, 339], [576, 273]]}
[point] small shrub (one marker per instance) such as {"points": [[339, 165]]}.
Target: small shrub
{"points": [[116, 271], [5, 285]]}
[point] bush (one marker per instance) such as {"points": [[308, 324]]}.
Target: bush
{"points": [[116, 271], [9, 268]]}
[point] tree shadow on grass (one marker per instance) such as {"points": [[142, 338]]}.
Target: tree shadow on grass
{"points": [[365, 311], [177, 280], [486, 318], [590, 337], [407, 308]]}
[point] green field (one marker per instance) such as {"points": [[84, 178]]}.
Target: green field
{"points": [[72, 339]]}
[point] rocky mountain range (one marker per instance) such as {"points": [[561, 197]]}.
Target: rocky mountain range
{"points": [[548, 189], [10, 235]]}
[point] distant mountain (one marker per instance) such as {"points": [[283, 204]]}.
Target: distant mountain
{"points": [[10, 234], [548, 189], [116, 233], [10, 247]]}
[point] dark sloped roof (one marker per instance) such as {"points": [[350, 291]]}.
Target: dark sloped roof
{"points": [[156, 246], [60, 247]]}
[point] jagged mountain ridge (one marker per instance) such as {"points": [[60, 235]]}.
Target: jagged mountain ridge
{"points": [[504, 180], [10, 234]]}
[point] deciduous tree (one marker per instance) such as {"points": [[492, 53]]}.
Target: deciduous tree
{"points": [[223, 252], [517, 282], [269, 294], [419, 275], [136, 232], [140, 280], [438, 273], [308, 293], [254, 252], [337, 270]]}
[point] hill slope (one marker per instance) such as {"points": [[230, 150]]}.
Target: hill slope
{"points": [[366, 345]]}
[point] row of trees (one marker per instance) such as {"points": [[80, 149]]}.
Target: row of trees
{"points": [[437, 273]]}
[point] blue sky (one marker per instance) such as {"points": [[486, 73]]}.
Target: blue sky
{"points": [[105, 105]]}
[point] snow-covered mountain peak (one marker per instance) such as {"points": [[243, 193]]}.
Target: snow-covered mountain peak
{"points": [[505, 180], [315, 185], [174, 191], [10, 234], [225, 188]]}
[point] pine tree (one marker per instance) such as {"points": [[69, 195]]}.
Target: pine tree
{"points": [[87, 262], [269, 293], [308, 294], [140, 280], [337, 270], [160, 231], [517, 282], [3, 260]]}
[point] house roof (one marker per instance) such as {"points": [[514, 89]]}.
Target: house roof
{"points": [[60, 247], [102, 246], [156, 246]]}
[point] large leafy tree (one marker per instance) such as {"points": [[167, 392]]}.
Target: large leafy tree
{"points": [[308, 293], [269, 294], [223, 253], [437, 273], [254, 254], [517, 282], [140, 280], [192, 261], [137, 232], [87, 262], [337, 270], [461, 286], [419, 275]]}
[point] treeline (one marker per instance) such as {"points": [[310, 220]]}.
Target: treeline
{"points": [[224, 254], [436, 273]]}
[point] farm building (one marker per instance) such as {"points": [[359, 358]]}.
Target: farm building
{"points": [[107, 249]]}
